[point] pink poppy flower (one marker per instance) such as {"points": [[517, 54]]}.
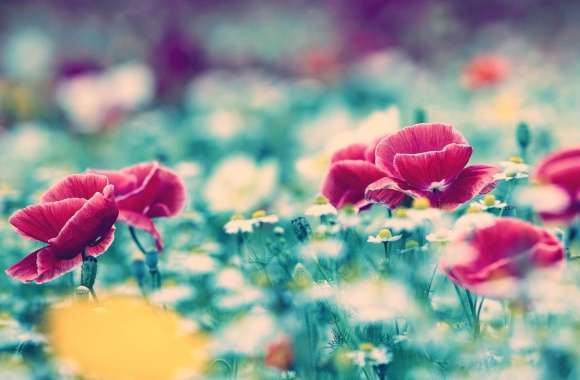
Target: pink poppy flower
{"points": [[562, 169], [485, 71], [428, 160], [146, 191], [75, 215], [494, 260], [352, 170]]}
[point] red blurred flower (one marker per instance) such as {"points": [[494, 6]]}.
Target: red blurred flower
{"points": [[75, 215], [562, 169], [493, 260], [279, 354], [146, 191], [485, 71]]}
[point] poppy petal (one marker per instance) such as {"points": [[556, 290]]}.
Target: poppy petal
{"points": [[385, 191], [422, 170], [472, 181], [75, 186], [45, 220], [351, 152], [418, 138], [103, 244], [347, 180], [123, 182], [143, 196], [26, 269], [142, 222], [50, 266], [87, 225], [171, 195]]}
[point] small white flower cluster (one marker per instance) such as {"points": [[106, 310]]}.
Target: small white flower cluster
{"points": [[514, 168], [238, 224], [369, 354]]}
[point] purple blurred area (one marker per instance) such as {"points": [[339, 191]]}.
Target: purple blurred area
{"points": [[179, 39]]}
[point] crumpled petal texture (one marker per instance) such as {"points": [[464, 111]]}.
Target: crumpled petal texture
{"points": [[76, 215], [146, 191]]}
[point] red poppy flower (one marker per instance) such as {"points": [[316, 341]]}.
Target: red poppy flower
{"points": [[352, 170], [429, 160], [562, 169], [146, 191], [493, 260], [75, 215], [279, 354], [485, 71]]}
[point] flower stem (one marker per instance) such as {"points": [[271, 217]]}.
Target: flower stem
{"points": [[150, 259]]}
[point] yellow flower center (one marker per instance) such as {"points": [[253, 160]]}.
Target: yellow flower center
{"points": [[411, 244], [349, 209], [516, 160], [366, 346], [237, 217], [511, 173], [385, 233], [401, 212], [259, 214], [421, 203], [489, 200], [320, 200], [474, 208]]}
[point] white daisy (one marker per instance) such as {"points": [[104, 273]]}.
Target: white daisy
{"points": [[383, 236]]}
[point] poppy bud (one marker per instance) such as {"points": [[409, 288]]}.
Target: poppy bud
{"points": [[88, 271], [151, 259], [138, 267], [302, 228], [420, 116], [523, 136]]}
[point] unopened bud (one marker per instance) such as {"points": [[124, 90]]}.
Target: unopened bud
{"points": [[89, 271]]}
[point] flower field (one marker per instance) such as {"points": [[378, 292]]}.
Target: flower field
{"points": [[312, 191]]}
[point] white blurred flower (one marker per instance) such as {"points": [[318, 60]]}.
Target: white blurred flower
{"points": [[490, 202], [514, 168], [130, 84], [20, 47], [247, 335], [322, 248], [238, 224], [224, 123], [230, 278], [261, 217], [544, 198], [91, 100], [383, 236], [240, 297], [320, 207], [369, 354], [171, 295], [372, 127], [401, 221], [375, 300], [188, 169], [473, 220], [240, 184], [192, 263]]}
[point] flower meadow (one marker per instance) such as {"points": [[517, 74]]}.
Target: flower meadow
{"points": [[291, 192]]}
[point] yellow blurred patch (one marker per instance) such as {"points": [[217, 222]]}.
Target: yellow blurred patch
{"points": [[125, 338]]}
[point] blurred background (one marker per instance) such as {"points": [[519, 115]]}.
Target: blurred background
{"points": [[85, 75]]}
